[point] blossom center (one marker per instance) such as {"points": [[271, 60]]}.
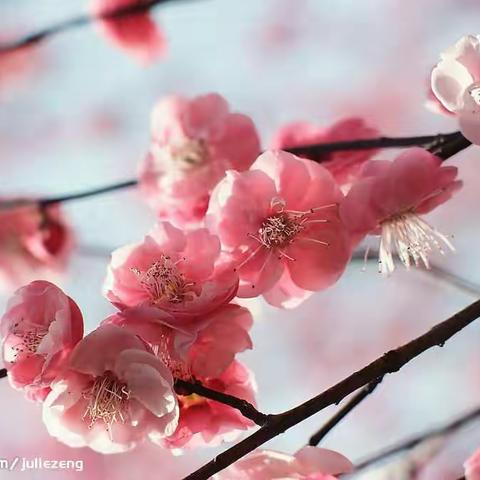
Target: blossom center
{"points": [[474, 92], [163, 281], [107, 400], [279, 230], [411, 238], [29, 341], [189, 154]]}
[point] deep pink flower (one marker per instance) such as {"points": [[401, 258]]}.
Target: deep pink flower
{"points": [[389, 200], [136, 33], [203, 421], [456, 83], [114, 393], [310, 463], [34, 242], [193, 143], [178, 272], [343, 165], [281, 216], [39, 329], [472, 467]]}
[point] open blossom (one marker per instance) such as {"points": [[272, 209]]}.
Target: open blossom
{"points": [[135, 33], [309, 463], [113, 393], [456, 83], [343, 165], [390, 199], [178, 272], [34, 241], [203, 421], [472, 467], [193, 143], [39, 329], [280, 223]]}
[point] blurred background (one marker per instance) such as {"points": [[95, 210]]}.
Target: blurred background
{"points": [[75, 115]]}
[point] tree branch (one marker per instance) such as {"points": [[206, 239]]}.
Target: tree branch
{"points": [[343, 412], [3, 372], [183, 387], [412, 442], [75, 22], [390, 362]]}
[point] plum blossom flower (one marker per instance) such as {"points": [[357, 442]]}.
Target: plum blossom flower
{"points": [[193, 143], [309, 463], [113, 393], [472, 467], [180, 273], [38, 330], [343, 165], [135, 33], [34, 242], [390, 199], [455, 82], [279, 222], [204, 421]]}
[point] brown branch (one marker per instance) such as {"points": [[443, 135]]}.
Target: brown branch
{"points": [[343, 412], [390, 362], [412, 442], [183, 387], [3, 372]]}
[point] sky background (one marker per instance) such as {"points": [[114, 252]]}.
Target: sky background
{"points": [[78, 117]]}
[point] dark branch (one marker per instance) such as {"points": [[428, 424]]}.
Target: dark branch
{"points": [[343, 412], [457, 142], [75, 22], [390, 362], [3, 372], [412, 442]]}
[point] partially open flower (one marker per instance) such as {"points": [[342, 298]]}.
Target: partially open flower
{"points": [[280, 223], [343, 165], [34, 242], [193, 143], [177, 272], [309, 463], [113, 394], [456, 83], [39, 329], [390, 199], [136, 33]]}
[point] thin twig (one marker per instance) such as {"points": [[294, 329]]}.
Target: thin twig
{"points": [[343, 412], [412, 442], [75, 22], [3, 372], [390, 362], [183, 387]]}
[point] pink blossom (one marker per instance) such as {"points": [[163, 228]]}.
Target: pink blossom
{"points": [[281, 216], [112, 394], [193, 143], [34, 242], [203, 421], [39, 329], [180, 273], [456, 83], [343, 165], [389, 200], [472, 467], [310, 463], [136, 33]]}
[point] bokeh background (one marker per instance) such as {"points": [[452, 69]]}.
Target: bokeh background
{"points": [[76, 116]]}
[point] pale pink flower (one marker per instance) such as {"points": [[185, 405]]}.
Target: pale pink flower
{"points": [[193, 143], [136, 33], [34, 242], [203, 421], [113, 393], [456, 83], [309, 463], [180, 273], [39, 329], [281, 216], [390, 199], [472, 466], [343, 165]]}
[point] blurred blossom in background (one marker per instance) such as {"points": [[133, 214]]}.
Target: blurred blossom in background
{"points": [[75, 114]]}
